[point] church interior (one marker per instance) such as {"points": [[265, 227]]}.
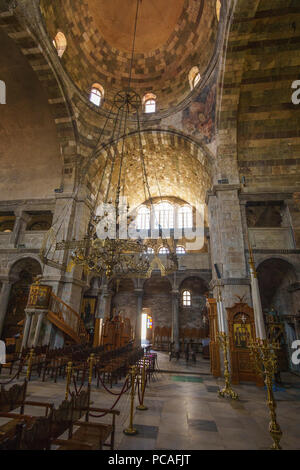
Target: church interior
{"points": [[149, 225]]}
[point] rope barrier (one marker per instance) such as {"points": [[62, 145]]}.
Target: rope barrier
{"points": [[104, 386], [117, 400], [10, 380], [13, 378], [77, 392], [138, 388], [143, 391]]}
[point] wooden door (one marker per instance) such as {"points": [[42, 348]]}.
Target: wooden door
{"points": [[241, 328]]}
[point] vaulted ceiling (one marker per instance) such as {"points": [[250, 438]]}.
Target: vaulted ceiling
{"points": [[172, 36], [174, 166]]}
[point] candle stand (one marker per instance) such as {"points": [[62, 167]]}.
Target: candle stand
{"points": [[263, 355], [227, 391]]}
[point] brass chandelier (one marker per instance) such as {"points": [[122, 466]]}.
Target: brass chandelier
{"points": [[119, 257]]}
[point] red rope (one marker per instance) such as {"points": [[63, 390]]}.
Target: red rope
{"points": [[143, 392], [13, 378], [138, 387], [107, 389], [77, 392], [143, 389], [110, 409]]}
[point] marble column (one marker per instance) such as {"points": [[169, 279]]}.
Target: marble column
{"points": [[4, 299], [138, 323], [26, 330], [175, 319], [19, 228], [103, 311], [41, 316], [106, 303], [70, 218], [227, 218]]}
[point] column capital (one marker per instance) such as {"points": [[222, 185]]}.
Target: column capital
{"points": [[7, 280], [106, 292], [31, 311], [139, 291], [21, 214], [242, 281], [221, 187]]}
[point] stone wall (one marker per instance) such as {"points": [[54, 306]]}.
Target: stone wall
{"points": [[27, 114]]}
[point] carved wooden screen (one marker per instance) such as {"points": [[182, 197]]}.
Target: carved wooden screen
{"points": [[214, 350], [241, 328]]}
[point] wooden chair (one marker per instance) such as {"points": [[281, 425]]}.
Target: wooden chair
{"points": [[13, 397], [89, 430], [12, 441], [27, 432]]}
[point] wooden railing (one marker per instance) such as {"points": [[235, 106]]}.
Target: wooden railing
{"points": [[67, 319]]}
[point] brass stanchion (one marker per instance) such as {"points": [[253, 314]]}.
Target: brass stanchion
{"points": [[131, 430], [91, 363], [141, 406], [29, 366], [264, 357], [227, 391], [69, 375]]}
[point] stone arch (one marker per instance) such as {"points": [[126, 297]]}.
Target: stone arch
{"points": [[278, 285], [15, 266], [172, 150], [280, 295]]}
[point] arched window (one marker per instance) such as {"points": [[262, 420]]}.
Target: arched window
{"points": [[163, 216], [194, 77], [180, 250], [60, 43], [218, 9], [149, 102], [150, 251], [143, 218], [97, 94], [185, 217], [186, 298], [164, 251]]}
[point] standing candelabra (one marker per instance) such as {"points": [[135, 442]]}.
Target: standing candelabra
{"points": [[227, 391], [263, 355]]}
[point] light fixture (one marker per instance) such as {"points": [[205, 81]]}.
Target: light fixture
{"points": [[116, 256]]}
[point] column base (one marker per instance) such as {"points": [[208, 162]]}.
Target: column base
{"points": [[130, 431], [142, 407]]}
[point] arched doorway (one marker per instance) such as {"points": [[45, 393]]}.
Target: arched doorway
{"points": [[280, 299], [23, 272], [147, 327]]}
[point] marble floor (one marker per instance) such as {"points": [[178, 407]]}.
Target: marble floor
{"points": [[185, 412]]}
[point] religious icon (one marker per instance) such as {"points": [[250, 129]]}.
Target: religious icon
{"points": [[88, 310], [39, 296], [241, 331]]}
